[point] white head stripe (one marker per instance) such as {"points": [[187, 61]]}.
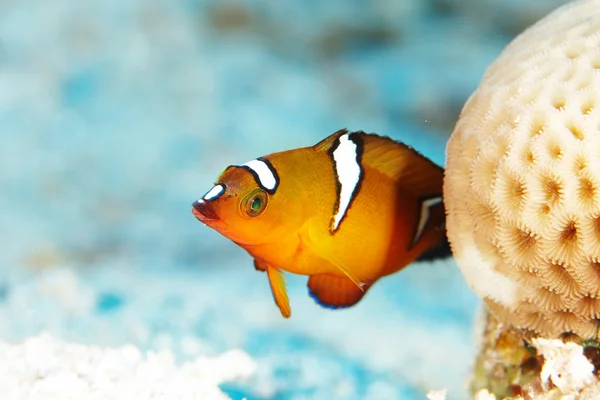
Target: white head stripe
{"points": [[348, 172], [267, 178], [424, 217], [213, 193]]}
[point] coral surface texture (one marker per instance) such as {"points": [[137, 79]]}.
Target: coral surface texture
{"points": [[522, 184]]}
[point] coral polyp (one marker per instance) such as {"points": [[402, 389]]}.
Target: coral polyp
{"points": [[522, 185]]}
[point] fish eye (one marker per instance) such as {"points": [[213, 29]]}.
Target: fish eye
{"points": [[254, 203]]}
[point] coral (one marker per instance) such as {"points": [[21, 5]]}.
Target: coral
{"points": [[437, 394], [515, 364], [565, 365], [505, 366], [483, 394], [45, 367], [522, 185]]}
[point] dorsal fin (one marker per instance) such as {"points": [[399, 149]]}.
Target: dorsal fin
{"points": [[326, 144], [402, 163], [396, 160]]}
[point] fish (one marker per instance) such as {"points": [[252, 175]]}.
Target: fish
{"points": [[349, 210]]}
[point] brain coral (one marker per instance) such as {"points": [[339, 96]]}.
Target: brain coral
{"points": [[522, 184]]}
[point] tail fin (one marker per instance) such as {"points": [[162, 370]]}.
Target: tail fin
{"points": [[442, 251]]}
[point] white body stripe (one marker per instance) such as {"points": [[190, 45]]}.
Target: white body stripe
{"points": [[348, 172], [424, 217], [214, 193], [263, 171]]}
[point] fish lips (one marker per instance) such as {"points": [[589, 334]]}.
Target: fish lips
{"points": [[204, 212]]}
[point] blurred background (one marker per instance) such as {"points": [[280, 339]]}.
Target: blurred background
{"points": [[115, 115]]}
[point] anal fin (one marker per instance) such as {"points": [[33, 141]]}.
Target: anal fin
{"points": [[277, 283], [334, 291]]}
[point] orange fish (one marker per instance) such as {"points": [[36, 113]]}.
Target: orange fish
{"points": [[347, 211]]}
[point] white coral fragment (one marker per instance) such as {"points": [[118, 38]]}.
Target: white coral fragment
{"points": [[437, 394], [565, 365], [46, 368], [483, 394]]}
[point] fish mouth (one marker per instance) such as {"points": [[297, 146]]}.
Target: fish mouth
{"points": [[203, 211]]}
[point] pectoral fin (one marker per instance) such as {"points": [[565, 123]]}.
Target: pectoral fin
{"points": [[361, 283], [320, 248], [334, 291], [277, 283]]}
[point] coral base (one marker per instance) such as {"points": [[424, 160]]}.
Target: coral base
{"points": [[516, 364]]}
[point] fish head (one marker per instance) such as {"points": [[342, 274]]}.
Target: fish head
{"points": [[247, 206]]}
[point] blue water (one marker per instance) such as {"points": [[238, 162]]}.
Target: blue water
{"points": [[116, 115]]}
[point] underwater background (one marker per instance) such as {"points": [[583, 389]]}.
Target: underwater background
{"points": [[116, 115]]}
